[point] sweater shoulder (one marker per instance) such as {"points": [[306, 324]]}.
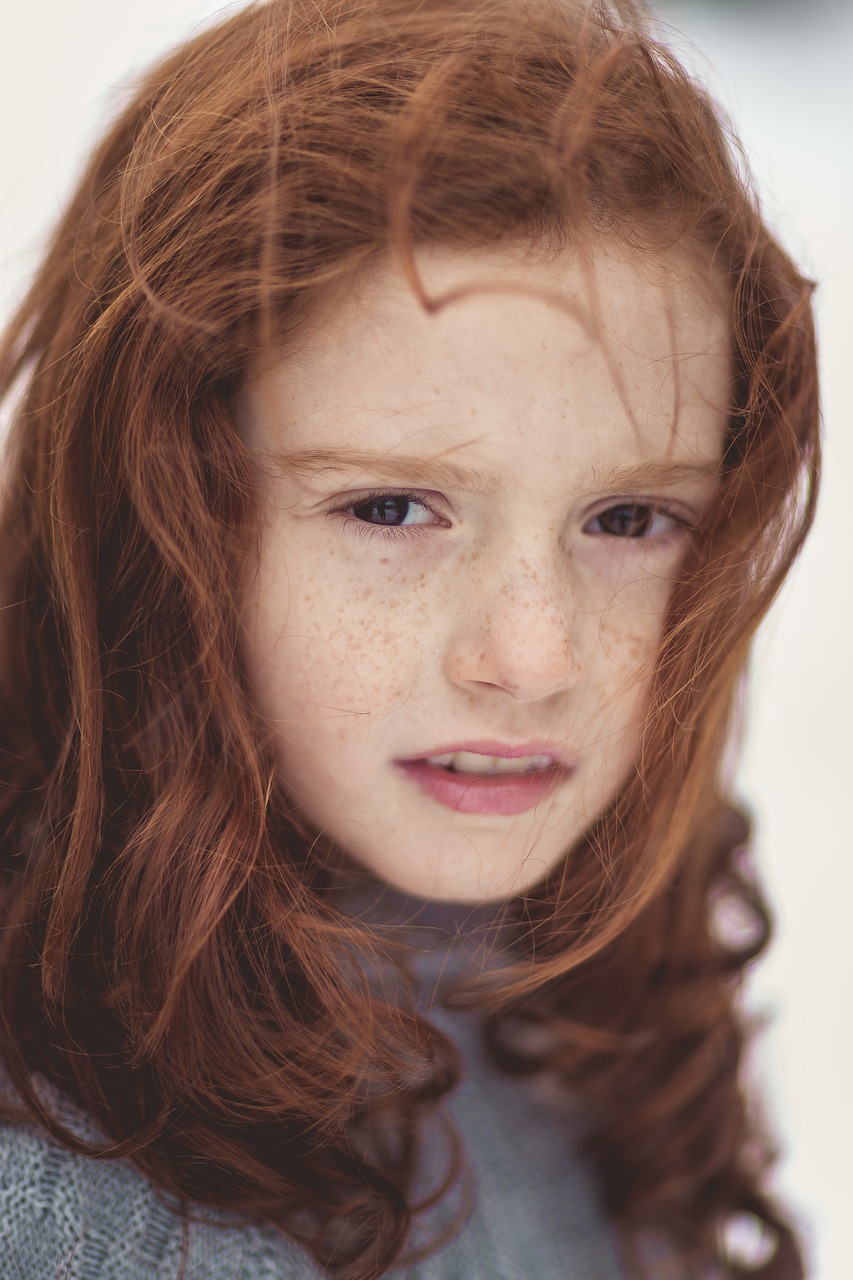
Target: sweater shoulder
{"points": [[70, 1216]]}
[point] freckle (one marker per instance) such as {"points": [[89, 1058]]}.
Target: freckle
{"points": [[384, 560]]}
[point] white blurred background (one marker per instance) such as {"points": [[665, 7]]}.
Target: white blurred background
{"points": [[783, 72]]}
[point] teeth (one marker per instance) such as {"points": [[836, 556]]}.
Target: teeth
{"points": [[470, 762]]}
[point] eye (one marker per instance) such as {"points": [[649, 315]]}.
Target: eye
{"points": [[390, 510], [391, 516], [633, 520]]}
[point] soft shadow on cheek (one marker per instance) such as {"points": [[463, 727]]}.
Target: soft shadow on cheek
{"points": [[631, 625]]}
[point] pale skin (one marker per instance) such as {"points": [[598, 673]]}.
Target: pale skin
{"points": [[398, 606]]}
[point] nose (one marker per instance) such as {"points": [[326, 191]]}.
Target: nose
{"points": [[515, 633]]}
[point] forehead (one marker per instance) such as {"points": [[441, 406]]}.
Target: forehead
{"points": [[629, 350]]}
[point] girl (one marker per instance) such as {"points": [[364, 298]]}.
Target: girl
{"points": [[414, 421]]}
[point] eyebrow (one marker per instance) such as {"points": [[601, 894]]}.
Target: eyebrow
{"points": [[648, 475], [440, 473], [427, 473]]}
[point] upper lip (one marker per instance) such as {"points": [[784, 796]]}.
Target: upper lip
{"points": [[504, 750]]}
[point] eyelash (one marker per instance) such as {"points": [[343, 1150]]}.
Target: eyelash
{"points": [[393, 533]]}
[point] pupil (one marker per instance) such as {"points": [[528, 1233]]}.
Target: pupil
{"points": [[391, 510], [629, 521]]}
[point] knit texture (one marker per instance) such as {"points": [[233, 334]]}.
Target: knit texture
{"points": [[65, 1216]]}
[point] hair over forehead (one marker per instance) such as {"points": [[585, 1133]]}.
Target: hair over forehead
{"points": [[282, 150]]}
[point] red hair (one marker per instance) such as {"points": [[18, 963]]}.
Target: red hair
{"points": [[170, 957]]}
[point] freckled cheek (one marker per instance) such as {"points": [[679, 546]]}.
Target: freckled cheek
{"points": [[630, 625], [626, 642], [337, 645], [620, 669]]}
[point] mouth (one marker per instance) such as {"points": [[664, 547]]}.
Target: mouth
{"points": [[497, 780]]}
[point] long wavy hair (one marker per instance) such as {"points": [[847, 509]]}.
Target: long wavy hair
{"points": [[170, 956]]}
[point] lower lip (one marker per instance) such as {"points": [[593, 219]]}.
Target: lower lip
{"points": [[504, 793]]}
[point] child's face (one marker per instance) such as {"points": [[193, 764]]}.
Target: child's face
{"points": [[448, 564]]}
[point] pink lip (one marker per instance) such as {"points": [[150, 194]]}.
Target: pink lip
{"points": [[476, 793]]}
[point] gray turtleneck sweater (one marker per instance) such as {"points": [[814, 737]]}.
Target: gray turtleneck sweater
{"points": [[69, 1217]]}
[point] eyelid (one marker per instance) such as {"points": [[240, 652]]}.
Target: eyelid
{"points": [[360, 496]]}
